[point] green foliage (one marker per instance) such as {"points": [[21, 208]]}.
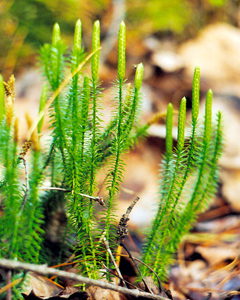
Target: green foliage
{"points": [[80, 145], [160, 15], [77, 152], [217, 3], [175, 17], [21, 233], [189, 180]]}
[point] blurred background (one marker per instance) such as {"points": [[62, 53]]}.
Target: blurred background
{"points": [[27, 24], [170, 38]]}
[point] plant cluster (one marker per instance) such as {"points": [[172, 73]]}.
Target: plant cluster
{"points": [[189, 179], [80, 146], [64, 171]]}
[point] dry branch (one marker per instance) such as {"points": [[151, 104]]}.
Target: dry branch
{"points": [[44, 270]]}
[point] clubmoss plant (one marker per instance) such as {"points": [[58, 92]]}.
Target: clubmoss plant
{"points": [[80, 146], [188, 181], [63, 172]]}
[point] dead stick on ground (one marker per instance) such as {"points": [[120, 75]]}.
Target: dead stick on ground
{"points": [[122, 232], [141, 262], [106, 244], [114, 274], [136, 266], [44, 270], [9, 291]]}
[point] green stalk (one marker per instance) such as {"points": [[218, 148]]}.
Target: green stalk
{"points": [[75, 101], [83, 119], [216, 155], [34, 231], [56, 69], [13, 176], [166, 229], [162, 207], [169, 125], [207, 136], [84, 115], [129, 123], [94, 69], [118, 141], [189, 212]]}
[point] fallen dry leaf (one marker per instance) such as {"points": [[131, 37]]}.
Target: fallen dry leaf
{"points": [[97, 293], [214, 255], [41, 286], [73, 296]]}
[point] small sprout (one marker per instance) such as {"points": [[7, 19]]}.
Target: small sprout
{"points": [[169, 126], [95, 46], [138, 77], [121, 51], [208, 117], [56, 34], [76, 45], [195, 94], [181, 124], [77, 35]]}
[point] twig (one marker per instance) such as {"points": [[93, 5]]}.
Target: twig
{"points": [[122, 227], [98, 198], [135, 264], [158, 279], [106, 244], [10, 285], [9, 278], [129, 283], [122, 232], [44, 270]]}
